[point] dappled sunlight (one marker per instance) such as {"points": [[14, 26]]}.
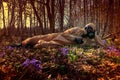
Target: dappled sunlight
{"points": [[5, 5], [59, 40]]}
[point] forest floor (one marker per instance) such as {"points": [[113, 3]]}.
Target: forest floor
{"points": [[62, 63]]}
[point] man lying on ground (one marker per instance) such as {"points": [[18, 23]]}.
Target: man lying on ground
{"points": [[75, 35]]}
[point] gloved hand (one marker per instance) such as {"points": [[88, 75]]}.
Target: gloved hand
{"points": [[91, 35], [78, 40], [84, 35]]}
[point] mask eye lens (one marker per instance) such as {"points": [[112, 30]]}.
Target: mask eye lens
{"points": [[89, 29], [85, 28]]}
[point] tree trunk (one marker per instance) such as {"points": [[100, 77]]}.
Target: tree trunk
{"points": [[20, 13], [12, 14], [84, 12], [38, 18], [50, 5], [61, 11], [70, 11], [44, 11]]}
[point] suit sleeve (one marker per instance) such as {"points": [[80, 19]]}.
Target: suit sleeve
{"points": [[99, 41]]}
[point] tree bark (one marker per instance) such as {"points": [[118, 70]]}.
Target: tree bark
{"points": [[12, 15], [38, 18], [20, 14], [61, 11], [50, 5], [84, 12], [70, 11]]}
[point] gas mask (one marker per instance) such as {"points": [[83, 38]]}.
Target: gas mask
{"points": [[90, 32]]}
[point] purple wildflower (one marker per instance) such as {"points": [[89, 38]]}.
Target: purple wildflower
{"points": [[104, 42], [2, 54], [9, 47], [112, 49], [34, 62], [26, 62], [64, 51]]}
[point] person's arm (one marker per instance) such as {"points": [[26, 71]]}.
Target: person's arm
{"points": [[73, 34], [99, 41]]}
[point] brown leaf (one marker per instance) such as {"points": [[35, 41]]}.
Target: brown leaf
{"points": [[2, 60]]}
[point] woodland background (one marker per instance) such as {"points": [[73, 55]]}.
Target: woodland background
{"points": [[33, 17], [20, 19]]}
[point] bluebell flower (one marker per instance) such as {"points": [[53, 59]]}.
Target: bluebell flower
{"points": [[34, 62], [104, 42], [26, 62], [2, 54], [112, 49], [64, 51], [9, 47]]}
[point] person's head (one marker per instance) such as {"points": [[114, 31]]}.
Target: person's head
{"points": [[90, 29], [90, 25]]}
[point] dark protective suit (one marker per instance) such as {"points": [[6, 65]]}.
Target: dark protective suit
{"points": [[73, 35]]}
